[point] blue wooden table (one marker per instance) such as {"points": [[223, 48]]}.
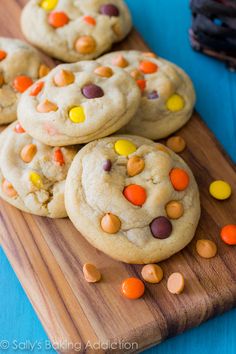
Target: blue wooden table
{"points": [[164, 25]]}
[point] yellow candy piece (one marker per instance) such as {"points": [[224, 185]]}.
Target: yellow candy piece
{"points": [[36, 179], [77, 115], [49, 5], [124, 147], [220, 190], [175, 103]]}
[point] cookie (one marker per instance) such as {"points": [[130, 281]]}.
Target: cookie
{"points": [[75, 30], [20, 65], [32, 175], [133, 199], [214, 26], [168, 95], [77, 103]]}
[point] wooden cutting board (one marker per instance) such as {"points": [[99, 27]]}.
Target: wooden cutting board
{"points": [[48, 255]]}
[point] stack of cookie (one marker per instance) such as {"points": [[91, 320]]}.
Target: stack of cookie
{"points": [[131, 198], [213, 29]]}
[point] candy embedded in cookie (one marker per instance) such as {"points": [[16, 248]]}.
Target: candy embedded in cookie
{"points": [[77, 103], [75, 30], [133, 199], [32, 175], [20, 66], [168, 95]]}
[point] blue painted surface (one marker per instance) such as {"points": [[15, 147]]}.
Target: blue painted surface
{"points": [[164, 25]]}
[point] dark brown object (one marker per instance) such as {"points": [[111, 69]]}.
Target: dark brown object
{"points": [[109, 10], [107, 165], [92, 91], [213, 29], [48, 256], [161, 227]]}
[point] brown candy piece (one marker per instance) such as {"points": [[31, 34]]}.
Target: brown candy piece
{"points": [[175, 283], [8, 189], [85, 45], [1, 79], [91, 273], [161, 227], [64, 78], [103, 71], [176, 143], [152, 273], [46, 106], [110, 223], [109, 10], [206, 248], [43, 70], [28, 152], [91, 91], [137, 75], [120, 61], [174, 209], [107, 165], [135, 165]]}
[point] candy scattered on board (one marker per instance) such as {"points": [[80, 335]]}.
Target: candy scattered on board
{"points": [[152, 273], [175, 283], [228, 234], [133, 288], [176, 143], [206, 248], [220, 190], [91, 273]]}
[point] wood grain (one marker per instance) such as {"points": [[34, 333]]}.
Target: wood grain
{"points": [[48, 255]]}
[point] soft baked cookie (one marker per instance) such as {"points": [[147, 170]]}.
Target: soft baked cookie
{"points": [[77, 103], [73, 30], [32, 175], [20, 65], [135, 200], [168, 95]]}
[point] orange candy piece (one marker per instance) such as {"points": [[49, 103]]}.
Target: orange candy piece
{"points": [[179, 179], [37, 88], [141, 84], [22, 83], [135, 194], [19, 129], [58, 157], [175, 283], [85, 45], [228, 234], [58, 19], [3, 54], [120, 61], [46, 106], [8, 189], [89, 20], [148, 67], [133, 288]]}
